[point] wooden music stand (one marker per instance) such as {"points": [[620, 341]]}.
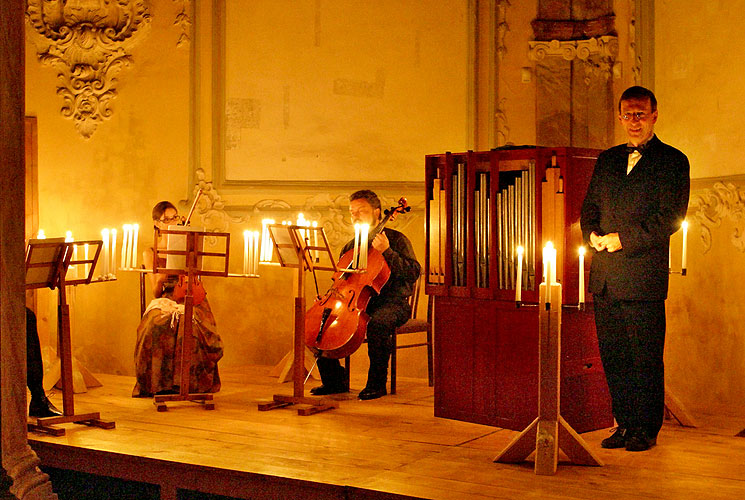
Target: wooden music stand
{"points": [[549, 431], [47, 262], [292, 244], [192, 257]]}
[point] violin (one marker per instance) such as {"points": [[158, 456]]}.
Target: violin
{"points": [[197, 289], [336, 323]]}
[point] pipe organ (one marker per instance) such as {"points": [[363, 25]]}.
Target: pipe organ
{"points": [[482, 206]]}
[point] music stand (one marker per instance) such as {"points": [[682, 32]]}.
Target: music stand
{"points": [[192, 256], [47, 262], [294, 250]]}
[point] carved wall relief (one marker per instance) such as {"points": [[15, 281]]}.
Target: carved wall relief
{"points": [[87, 43], [598, 55], [722, 201], [502, 27], [183, 21]]}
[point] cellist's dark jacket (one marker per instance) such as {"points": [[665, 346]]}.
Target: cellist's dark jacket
{"points": [[644, 207], [404, 267]]}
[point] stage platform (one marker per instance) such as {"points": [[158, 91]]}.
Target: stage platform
{"points": [[390, 448]]}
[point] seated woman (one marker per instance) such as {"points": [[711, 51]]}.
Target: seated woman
{"points": [[159, 335]]}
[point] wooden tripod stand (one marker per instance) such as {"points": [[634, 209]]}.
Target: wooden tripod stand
{"points": [[47, 262], [549, 431]]}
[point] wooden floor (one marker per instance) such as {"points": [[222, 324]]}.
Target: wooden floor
{"points": [[388, 448]]}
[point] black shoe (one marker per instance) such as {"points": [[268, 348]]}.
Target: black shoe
{"points": [[372, 393], [323, 390], [41, 407], [638, 440], [617, 440]]}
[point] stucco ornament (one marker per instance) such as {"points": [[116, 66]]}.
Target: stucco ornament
{"points": [[723, 200], [598, 55], [87, 42]]}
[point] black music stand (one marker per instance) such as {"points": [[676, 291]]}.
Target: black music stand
{"points": [[192, 255], [294, 249], [47, 262]]}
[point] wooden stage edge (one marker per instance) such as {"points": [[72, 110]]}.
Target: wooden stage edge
{"points": [[390, 448]]}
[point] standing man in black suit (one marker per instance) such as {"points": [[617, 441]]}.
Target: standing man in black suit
{"points": [[637, 198]]}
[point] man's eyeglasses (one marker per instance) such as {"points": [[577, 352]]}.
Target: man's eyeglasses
{"points": [[638, 116]]}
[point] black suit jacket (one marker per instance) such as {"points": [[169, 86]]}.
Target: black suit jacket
{"points": [[644, 208]]}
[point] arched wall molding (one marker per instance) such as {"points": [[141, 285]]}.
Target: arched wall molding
{"points": [[88, 45], [330, 210], [724, 200]]}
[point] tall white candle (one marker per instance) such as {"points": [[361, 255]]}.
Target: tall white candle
{"points": [[581, 275], [685, 247], [315, 241], [103, 260], [136, 234], [85, 253], [266, 241], [126, 233], [71, 268], [75, 268], [112, 269], [255, 268], [364, 232], [245, 251], [519, 284], [356, 253]]}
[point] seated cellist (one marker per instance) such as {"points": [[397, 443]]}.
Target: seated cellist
{"points": [[387, 310]]}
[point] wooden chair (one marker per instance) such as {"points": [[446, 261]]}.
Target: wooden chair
{"points": [[413, 325]]}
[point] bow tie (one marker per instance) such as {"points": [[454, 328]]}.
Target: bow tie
{"points": [[641, 148]]}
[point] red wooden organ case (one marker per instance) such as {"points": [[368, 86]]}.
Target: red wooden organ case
{"points": [[481, 207]]}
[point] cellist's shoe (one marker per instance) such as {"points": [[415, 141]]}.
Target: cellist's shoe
{"points": [[372, 393], [324, 390], [41, 407]]}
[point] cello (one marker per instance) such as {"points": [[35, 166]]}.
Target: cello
{"points": [[336, 323]]}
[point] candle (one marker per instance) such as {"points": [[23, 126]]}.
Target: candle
{"points": [[581, 275], [519, 285], [364, 231], [685, 247], [245, 251], [315, 241], [40, 235], [266, 241], [126, 242], [112, 269], [68, 239], [74, 257], [104, 259], [549, 264], [255, 268], [136, 232], [85, 253], [356, 253]]}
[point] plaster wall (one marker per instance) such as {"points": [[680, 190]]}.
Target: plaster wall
{"points": [[348, 99]]}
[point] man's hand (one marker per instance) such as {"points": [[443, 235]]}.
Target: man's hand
{"points": [[596, 242], [380, 243], [610, 242]]}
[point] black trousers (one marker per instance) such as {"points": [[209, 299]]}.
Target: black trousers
{"points": [[631, 337], [34, 366], [384, 318]]}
